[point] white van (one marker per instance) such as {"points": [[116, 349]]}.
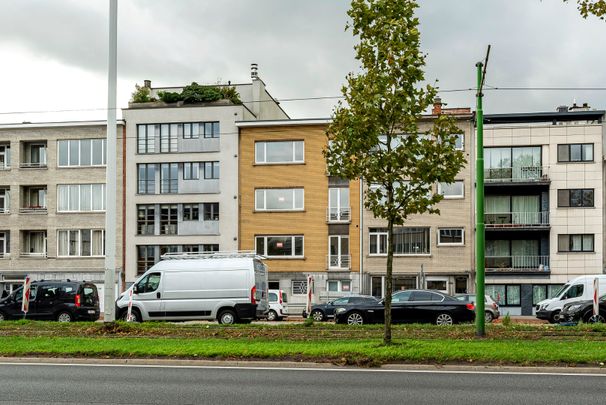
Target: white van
{"points": [[228, 287], [277, 305], [578, 289]]}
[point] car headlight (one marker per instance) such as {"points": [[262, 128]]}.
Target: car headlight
{"points": [[573, 308], [340, 310]]}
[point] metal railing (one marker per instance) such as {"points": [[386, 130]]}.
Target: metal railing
{"points": [[33, 210], [342, 214], [339, 261], [212, 255], [520, 174], [34, 254], [32, 165], [518, 263], [4, 166], [516, 219]]}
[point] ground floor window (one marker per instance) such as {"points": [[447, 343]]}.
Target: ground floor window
{"points": [[542, 292], [504, 295], [299, 287], [377, 285], [338, 286]]}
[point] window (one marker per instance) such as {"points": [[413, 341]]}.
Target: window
{"points": [[280, 246], [146, 178], [168, 219], [279, 199], [504, 295], [211, 211], [82, 152], [451, 236], [81, 197], [146, 257], [169, 173], [460, 142], [210, 247], [512, 164], [403, 296], [338, 204], [575, 152], [191, 212], [452, 190], [191, 171], [378, 241], [80, 242], [168, 137], [34, 154], [575, 243], [279, 152], [338, 286], [5, 243], [4, 200], [541, 292], [146, 135], [299, 287], [34, 243], [34, 197], [407, 241], [146, 219], [575, 197], [5, 156], [211, 170], [440, 285], [211, 130]]}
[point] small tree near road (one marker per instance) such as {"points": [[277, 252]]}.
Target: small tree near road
{"points": [[375, 132]]}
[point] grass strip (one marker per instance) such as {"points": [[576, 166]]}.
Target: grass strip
{"points": [[360, 352]]}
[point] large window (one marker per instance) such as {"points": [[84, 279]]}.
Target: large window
{"points": [[575, 197], [82, 152], [211, 170], [279, 199], [146, 178], [5, 156], [168, 219], [34, 243], [575, 152], [452, 190], [5, 200], [191, 212], [518, 163], [280, 246], [5, 243], [338, 204], [169, 178], [168, 137], [451, 237], [211, 211], [81, 197], [146, 134], [80, 242], [542, 292], [146, 257], [146, 217], [191, 171], [407, 241], [279, 152], [504, 295], [576, 243]]}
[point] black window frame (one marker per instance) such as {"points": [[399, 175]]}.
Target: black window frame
{"points": [[146, 217], [568, 146], [569, 244], [571, 198], [191, 212]]}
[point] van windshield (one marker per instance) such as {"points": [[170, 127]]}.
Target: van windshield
{"points": [[562, 290]]}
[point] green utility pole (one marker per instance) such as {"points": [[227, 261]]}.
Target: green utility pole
{"points": [[480, 253]]}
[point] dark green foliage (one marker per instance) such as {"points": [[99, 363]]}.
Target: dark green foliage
{"points": [[230, 93], [169, 96], [595, 7], [195, 93], [141, 94]]}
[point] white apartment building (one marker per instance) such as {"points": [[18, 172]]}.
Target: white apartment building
{"points": [[181, 173], [52, 201], [544, 215]]}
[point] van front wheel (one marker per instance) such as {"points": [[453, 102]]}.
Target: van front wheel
{"points": [[227, 317]]}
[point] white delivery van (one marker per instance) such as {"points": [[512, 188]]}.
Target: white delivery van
{"points": [[578, 289], [228, 287], [277, 305]]}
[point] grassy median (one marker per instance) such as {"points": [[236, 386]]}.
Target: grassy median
{"points": [[339, 344]]}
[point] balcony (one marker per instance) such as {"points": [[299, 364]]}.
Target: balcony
{"points": [[517, 264], [338, 215], [339, 262], [33, 155], [517, 175], [33, 200], [517, 220]]}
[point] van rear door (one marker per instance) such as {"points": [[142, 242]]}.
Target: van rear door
{"points": [[261, 287]]}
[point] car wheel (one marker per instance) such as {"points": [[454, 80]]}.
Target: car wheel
{"points": [[65, 316], [227, 317], [317, 315], [555, 317], [355, 318], [596, 319], [488, 317], [135, 315], [271, 315], [444, 319]]}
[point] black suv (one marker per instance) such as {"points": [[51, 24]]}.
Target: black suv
{"points": [[64, 301]]}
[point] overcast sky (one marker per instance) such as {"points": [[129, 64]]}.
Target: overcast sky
{"points": [[54, 52]]}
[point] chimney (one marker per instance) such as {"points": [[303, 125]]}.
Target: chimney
{"points": [[562, 109], [254, 71], [584, 107], [437, 106], [147, 84]]}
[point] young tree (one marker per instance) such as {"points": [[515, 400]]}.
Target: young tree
{"points": [[375, 134]]}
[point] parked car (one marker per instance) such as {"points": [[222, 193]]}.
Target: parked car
{"points": [[491, 308], [63, 301], [410, 306], [229, 287], [277, 305], [578, 289], [324, 312], [583, 311]]}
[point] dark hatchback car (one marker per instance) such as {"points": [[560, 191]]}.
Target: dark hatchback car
{"points": [[323, 312], [583, 311], [63, 301], [410, 306]]}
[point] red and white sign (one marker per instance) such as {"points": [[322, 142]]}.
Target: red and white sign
{"points": [[129, 313], [310, 286], [26, 290], [596, 297]]}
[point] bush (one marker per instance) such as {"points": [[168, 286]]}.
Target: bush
{"points": [[230, 93], [195, 93], [170, 96], [141, 94], [507, 321], [309, 321]]}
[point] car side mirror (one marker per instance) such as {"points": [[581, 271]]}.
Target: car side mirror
{"points": [[330, 302]]}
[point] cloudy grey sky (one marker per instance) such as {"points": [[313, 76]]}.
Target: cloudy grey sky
{"points": [[54, 52]]}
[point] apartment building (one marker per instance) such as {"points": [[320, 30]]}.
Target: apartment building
{"points": [[304, 221], [430, 251], [52, 201], [544, 185], [181, 173]]}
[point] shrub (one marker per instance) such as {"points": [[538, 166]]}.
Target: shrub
{"points": [[170, 96], [230, 93], [141, 94], [195, 93], [507, 321]]}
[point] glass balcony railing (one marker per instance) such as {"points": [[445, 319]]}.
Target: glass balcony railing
{"points": [[520, 174], [516, 219]]}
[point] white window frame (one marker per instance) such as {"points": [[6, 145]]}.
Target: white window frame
{"points": [[69, 141], [294, 207], [79, 195], [5, 198], [339, 286], [462, 138], [293, 243], [453, 196], [457, 228], [79, 244], [445, 279], [294, 160], [378, 244]]}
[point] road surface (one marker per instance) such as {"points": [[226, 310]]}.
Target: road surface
{"points": [[115, 384]]}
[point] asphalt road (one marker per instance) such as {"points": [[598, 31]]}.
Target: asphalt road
{"points": [[82, 384]]}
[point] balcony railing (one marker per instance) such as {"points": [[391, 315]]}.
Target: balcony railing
{"points": [[32, 165], [517, 219], [4, 166], [38, 255], [529, 264], [339, 261], [522, 174], [33, 210], [4, 210], [338, 214]]}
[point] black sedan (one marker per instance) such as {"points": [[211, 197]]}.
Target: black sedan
{"points": [[410, 306], [583, 311], [322, 312]]}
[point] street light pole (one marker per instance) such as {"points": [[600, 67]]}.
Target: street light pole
{"points": [[110, 180]]}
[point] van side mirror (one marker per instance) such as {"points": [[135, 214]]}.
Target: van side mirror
{"points": [[135, 289]]}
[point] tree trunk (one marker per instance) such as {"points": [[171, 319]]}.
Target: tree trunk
{"points": [[388, 283]]}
